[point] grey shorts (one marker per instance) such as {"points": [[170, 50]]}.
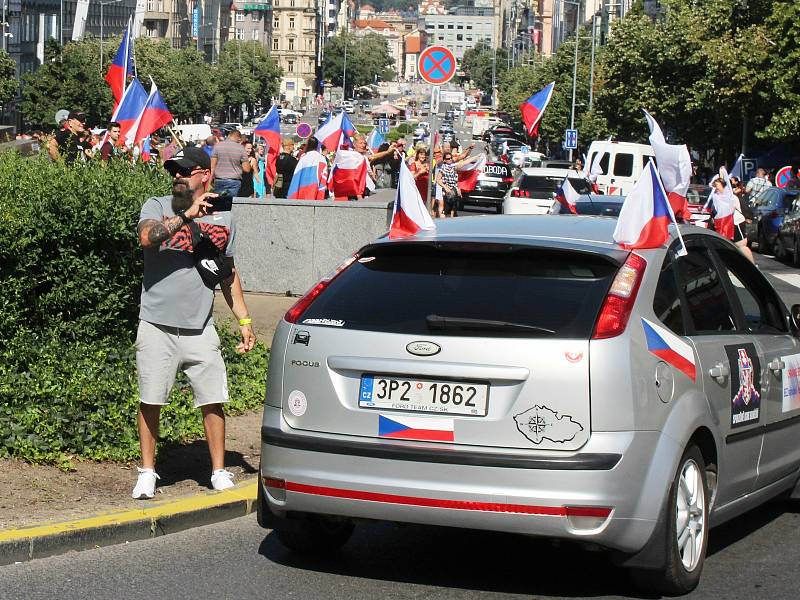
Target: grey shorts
{"points": [[162, 350]]}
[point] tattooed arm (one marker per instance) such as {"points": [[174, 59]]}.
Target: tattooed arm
{"points": [[153, 233]]}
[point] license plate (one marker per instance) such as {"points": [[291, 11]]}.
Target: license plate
{"points": [[423, 395], [489, 183]]}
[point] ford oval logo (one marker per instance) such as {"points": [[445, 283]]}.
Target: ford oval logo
{"points": [[423, 348]]}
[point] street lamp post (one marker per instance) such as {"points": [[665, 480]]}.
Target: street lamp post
{"points": [[102, 4], [575, 64], [3, 24]]}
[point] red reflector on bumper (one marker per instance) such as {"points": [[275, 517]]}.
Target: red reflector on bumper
{"points": [[551, 511], [272, 482]]}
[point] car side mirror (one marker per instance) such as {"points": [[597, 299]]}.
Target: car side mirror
{"points": [[795, 317]]}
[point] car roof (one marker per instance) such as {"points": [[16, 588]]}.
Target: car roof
{"points": [[549, 172]]}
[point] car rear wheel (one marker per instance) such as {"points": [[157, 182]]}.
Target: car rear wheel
{"points": [[317, 534], [686, 531], [763, 244], [780, 249]]}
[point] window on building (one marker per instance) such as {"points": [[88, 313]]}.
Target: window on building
{"points": [[449, 25], [291, 3], [254, 16], [469, 26], [255, 35], [275, 45], [276, 23], [240, 15], [29, 28], [309, 43], [291, 44], [441, 26], [290, 66], [155, 5], [459, 27], [459, 37], [332, 13], [239, 35], [469, 38], [291, 22]]}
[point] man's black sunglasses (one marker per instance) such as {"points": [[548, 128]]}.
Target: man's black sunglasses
{"points": [[187, 171]]}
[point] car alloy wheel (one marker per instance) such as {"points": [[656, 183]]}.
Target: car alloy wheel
{"points": [[690, 515]]}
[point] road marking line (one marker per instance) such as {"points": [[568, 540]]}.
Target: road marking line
{"points": [[790, 278], [246, 491]]}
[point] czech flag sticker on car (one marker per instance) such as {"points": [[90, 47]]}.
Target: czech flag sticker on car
{"points": [[416, 428]]}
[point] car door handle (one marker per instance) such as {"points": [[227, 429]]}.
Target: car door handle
{"points": [[719, 372], [777, 365]]}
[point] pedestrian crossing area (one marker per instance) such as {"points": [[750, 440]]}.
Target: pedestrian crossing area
{"points": [[790, 278]]}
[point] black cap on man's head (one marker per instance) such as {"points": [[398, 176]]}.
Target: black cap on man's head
{"points": [[189, 158], [78, 115]]}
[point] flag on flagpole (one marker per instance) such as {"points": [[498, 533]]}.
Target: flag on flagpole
{"points": [[738, 168], [130, 109], [646, 214], [121, 67], [674, 167], [310, 179], [348, 175], [409, 215], [567, 196], [153, 117], [335, 132], [374, 140], [468, 173], [533, 108], [270, 129]]}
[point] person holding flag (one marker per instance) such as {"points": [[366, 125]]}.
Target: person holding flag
{"points": [[728, 216], [310, 179], [409, 215], [270, 129], [348, 178]]}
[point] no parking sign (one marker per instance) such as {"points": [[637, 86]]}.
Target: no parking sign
{"points": [[437, 65], [783, 176]]}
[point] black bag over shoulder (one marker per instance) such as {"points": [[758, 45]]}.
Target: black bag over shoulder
{"points": [[208, 259]]}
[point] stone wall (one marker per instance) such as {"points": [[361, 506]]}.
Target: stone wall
{"points": [[288, 245]]}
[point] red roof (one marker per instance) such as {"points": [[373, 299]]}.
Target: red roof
{"points": [[371, 23], [413, 44]]}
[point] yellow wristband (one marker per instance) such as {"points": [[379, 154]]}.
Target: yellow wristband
{"points": [[245, 321]]}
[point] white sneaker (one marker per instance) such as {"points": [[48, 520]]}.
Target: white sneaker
{"points": [[222, 479], [145, 485]]}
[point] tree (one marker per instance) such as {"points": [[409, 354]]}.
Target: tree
{"points": [[67, 80], [368, 60], [783, 71], [8, 79], [246, 74], [477, 65]]}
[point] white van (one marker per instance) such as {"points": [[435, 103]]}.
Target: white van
{"points": [[193, 132], [621, 163]]}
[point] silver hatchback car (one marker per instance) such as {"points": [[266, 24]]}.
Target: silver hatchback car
{"points": [[524, 374]]}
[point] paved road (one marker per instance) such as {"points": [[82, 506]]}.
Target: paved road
{"points": [[755, 556]]}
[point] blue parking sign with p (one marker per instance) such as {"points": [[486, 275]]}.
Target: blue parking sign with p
{"points": [[571, 139], [383, 126]]}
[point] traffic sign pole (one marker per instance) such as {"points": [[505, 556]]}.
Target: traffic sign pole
{"points": [[436, 65]]}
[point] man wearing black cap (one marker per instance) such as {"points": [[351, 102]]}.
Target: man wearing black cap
{"points": [[68, 142], [176, 329]]}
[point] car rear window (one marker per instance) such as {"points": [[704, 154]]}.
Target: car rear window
{"points": [[544, 183], [397, 288]]}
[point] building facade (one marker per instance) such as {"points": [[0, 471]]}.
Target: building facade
{"points": [[296, 46], [460, 32]]}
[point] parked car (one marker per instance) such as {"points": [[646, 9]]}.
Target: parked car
{"points": [[533, 192], [621, 164], [291, 119], [769, 208], [787, 241], [523, 159], [557, 164], [490, 188], [526, 375], [323, 116]]}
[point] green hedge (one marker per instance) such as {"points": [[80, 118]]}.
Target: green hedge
{"points": [[70, 275]]}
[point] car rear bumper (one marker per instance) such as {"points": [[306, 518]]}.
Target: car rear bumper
{"points": [[547, 494]]}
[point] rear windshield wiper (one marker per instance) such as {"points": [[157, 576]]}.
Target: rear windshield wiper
{"points": [[465, 323]]}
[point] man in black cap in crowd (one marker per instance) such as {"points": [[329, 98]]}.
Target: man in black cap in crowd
{"points": [[69, 143], [176, 328]]}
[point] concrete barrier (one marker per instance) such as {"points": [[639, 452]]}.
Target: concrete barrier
{"points": [[285, 246]]}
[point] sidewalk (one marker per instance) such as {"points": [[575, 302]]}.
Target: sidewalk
{"points": [[46, 511]]}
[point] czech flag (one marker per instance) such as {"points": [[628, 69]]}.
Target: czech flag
{"points": [[130, 109], [348, 175], [146, 150], [670, 348], [590, 174], [374, 140], [121, 67], [270, 129], [335, 132], [674, 167], [153, 117], [567, 196], [645, 215], [533, 108], [416, 428], [468, 173], [409, 215], [310, 178]]}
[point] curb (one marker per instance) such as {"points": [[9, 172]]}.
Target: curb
{"points": [[157, 519]]}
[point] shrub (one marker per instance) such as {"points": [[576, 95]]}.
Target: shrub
{"points": [[70, 271]]}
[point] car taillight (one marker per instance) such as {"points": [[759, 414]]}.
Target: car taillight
{"points": [[773, 214], [298, 308], [508, 180], [619, 302]]}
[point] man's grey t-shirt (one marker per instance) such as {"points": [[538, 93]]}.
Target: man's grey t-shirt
{"points": [[230, 155], [173, 292]]}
